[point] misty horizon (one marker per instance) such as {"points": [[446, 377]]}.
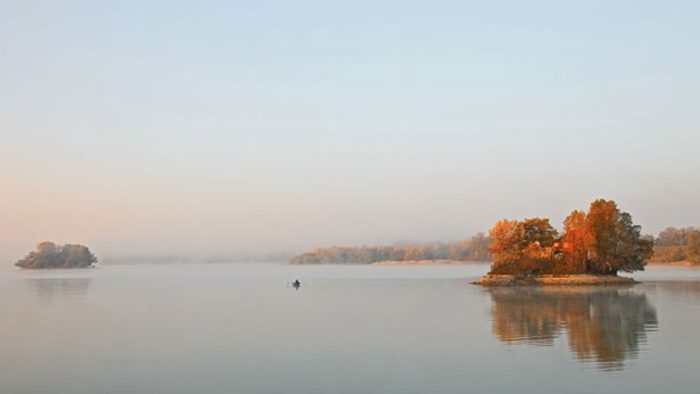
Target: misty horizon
{"points": [[345, 197], [164, 129]]}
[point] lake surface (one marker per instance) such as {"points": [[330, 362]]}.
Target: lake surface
{"points": [[240, 328]]}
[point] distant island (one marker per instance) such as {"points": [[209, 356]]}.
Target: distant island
{"points": [[49, 255], [595, 246], [475, 248]]}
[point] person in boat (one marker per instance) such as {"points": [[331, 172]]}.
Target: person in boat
{"points": [[296, 283]]}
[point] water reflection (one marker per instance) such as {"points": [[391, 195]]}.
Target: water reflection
{"points": [[49, 288], [605, 325], [686, 289]]}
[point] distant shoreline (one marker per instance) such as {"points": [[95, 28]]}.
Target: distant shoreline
{"points": [[554, 280], [427, 262], [673, 263]]}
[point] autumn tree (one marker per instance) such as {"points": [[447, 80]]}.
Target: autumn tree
{"points": [[601, 225], [521, 246], [506, 244], [575, 242], [615, 242]]}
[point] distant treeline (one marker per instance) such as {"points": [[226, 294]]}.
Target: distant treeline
{"points": [[475, 248], [677, 244], [672, 245]]}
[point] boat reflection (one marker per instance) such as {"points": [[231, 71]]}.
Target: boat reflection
{"points": [[605, 325]]}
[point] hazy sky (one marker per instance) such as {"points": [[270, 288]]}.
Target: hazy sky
{"points": [[220, 127]]}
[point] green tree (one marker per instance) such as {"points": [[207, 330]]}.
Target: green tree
{"points": [[538, 230], [633, 250]]}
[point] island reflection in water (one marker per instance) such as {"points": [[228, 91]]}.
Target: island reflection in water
{"points": [[605, 325], [50, 288]]}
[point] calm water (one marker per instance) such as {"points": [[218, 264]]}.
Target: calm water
{"points": [[239, 328]]}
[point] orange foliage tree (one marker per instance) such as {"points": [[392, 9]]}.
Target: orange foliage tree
{"points": [[602, 241], [615, 242], [575, 242], [521, 246]]}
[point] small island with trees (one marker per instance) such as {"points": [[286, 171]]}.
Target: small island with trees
{"points": [[595, 246], [49, 255]]}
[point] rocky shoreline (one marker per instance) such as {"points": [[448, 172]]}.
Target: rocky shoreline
{"points": [[554, 280]]}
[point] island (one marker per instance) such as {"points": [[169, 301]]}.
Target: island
{"points": [[595, 246], [49, 255]]}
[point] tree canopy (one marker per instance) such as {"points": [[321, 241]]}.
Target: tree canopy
{"points": [[50, 255], [602, 241]]}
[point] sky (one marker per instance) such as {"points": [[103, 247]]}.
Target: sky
{"points": [[223, 128]]}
